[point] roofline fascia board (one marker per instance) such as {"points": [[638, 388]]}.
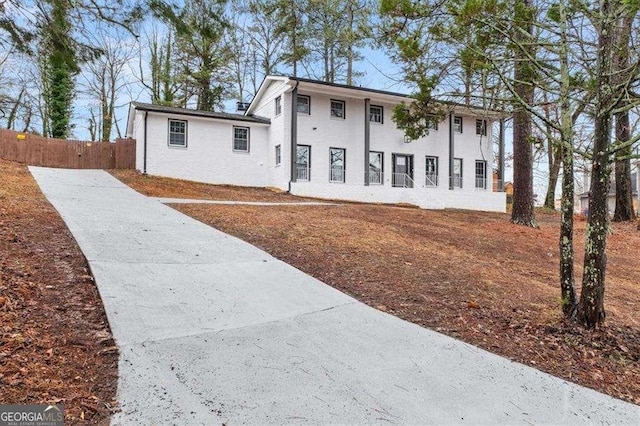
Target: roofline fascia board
{"points": [[263, 86], [195, 113], [392, 97]]}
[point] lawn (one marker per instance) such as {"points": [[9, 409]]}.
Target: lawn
{"points": [[473, 276], [154, 186], [55, 341]]}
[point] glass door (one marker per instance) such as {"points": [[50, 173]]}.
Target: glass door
{"points": [[402, 171]]}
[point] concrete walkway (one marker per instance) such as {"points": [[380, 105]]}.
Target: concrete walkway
{"points": [[212, 330]]}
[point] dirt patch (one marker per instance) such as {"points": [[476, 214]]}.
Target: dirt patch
{"points": [[155, 186], [471, 275], [55, 341]]}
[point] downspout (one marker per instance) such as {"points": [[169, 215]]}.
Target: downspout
{"points": [[367, 140], [451, 153], [144, 146], [294, 133]]}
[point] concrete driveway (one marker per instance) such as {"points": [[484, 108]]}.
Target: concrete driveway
{"points": [[213, 330]]}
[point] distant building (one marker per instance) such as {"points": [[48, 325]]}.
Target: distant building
{"points": [[611, 196]]}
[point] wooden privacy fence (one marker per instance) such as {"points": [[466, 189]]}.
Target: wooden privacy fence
{"points": [[40, 151]]}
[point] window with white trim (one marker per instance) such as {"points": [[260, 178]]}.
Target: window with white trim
{"points": [[278, 155], [240, 139], [337, 109], [178, 133], [431, 171], [337, 164], [457, 124], [481, 174], [303, 104], [376, 114], [278, 105], [481, 127]]}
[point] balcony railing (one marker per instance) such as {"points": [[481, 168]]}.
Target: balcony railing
{"points": [[336, 174], [401, 180], [481, 183], [376, 177], [303, 173], [431, 179]]}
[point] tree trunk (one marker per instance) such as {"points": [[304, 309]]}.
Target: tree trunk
{"points": [[564, 154], [351, 32], [61, 68], [554, 172], [325, 54], [624, 196], [567, 253], [294, 39], [555, 151], [591, 311], [523, 211]]}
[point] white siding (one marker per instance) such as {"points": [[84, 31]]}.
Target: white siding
{"points": [[209, 155], [279, 132], [322, 132], [137, 133]]}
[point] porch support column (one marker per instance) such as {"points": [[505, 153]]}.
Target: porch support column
{"points": [[501, 157], [367, 140], [294, 133], [451, 151]]}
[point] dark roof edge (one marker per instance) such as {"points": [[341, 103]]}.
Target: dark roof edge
{"points": [[199, 113], [389, 93]]}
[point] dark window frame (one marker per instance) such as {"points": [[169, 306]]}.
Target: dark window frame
{"points": [[483, 128], [381, 167], [278, 149], [308, 161], [308, 98], [458, 117], [484, 176], [344, 164], [437, 167], [381, 114], [344, 109], [461, 172]]}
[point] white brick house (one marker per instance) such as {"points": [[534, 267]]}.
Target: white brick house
{"points": [[324, 140]]}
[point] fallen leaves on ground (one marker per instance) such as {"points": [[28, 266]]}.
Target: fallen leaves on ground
{"points": [[53, 329], [156, 186]]}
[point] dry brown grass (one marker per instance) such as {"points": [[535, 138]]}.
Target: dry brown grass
{"points": [[155, 186], [55, 342]]}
